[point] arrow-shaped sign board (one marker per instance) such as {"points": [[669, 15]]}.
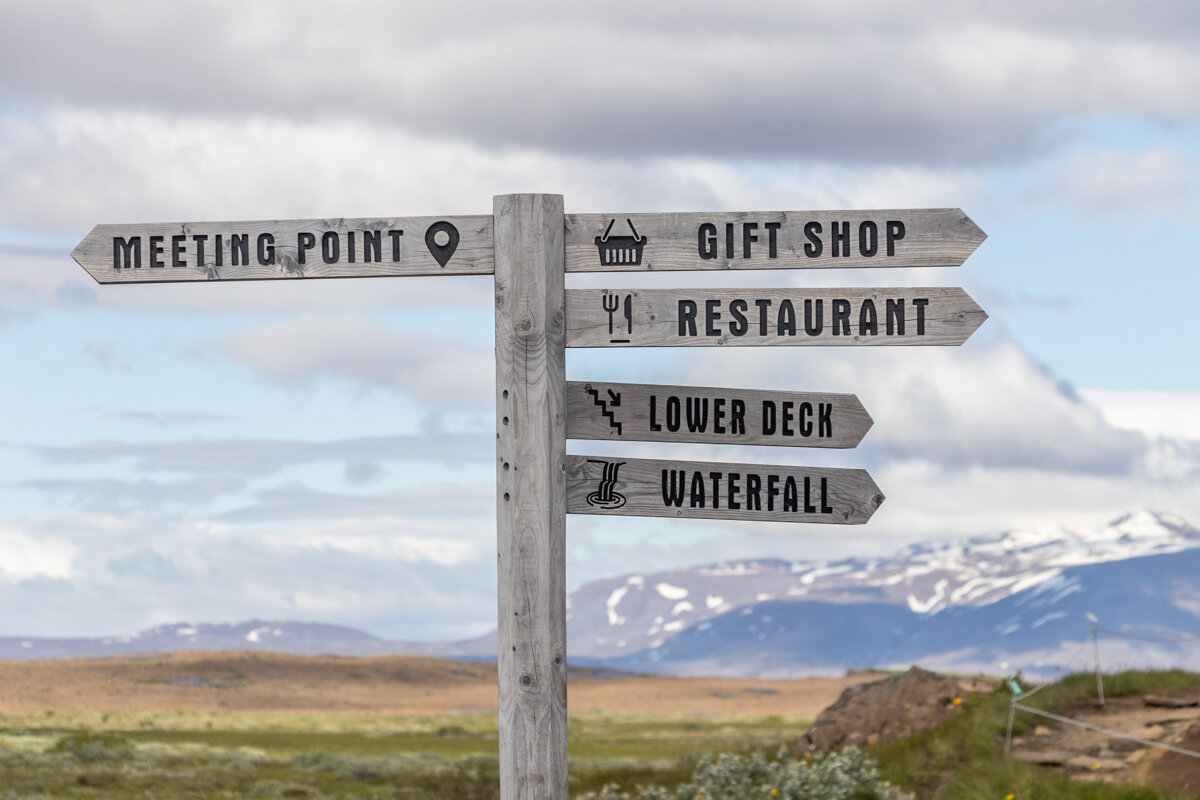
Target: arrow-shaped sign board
{"points": [[752, 317], [297, 248], [714, 490], [934, 237], [646, 413]]}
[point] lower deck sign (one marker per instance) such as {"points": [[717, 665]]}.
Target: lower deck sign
{"points": [[648, 413], [714, 490]]}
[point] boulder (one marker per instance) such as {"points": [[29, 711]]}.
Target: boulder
{"points": [[892, 708]]}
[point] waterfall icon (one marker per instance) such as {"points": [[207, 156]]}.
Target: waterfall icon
{"points": [[606, 495]]}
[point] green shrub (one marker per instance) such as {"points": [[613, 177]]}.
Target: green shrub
{"points": [[844, 775], [94, 747]]}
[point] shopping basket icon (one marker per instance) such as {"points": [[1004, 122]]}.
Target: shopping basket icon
{"points": [[620, 249]]}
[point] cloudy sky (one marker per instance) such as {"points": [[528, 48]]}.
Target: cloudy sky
{"points": [[324, 450]]}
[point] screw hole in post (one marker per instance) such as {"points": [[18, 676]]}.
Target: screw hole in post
{"points": [[506, 497]]}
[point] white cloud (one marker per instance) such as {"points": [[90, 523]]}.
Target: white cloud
{"points": [[1157, 414], [23, 557], [1123, 186], [443, 372], [935, 83], [986, 403]]}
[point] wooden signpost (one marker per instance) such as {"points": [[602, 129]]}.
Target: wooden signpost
{"points": [[529, 243], [295, 248], [769, 317], [712, 490], [932, 237], [641, 413]]}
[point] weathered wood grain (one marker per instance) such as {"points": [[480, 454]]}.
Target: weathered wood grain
{"points": [[934, 237], [648, 413], [716, 490], [530, 487], [338, 248], [769, 317]]}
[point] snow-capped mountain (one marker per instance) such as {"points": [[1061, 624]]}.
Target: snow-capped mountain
{"points": [[1014, 601], [620, 616], [1148, 608]]}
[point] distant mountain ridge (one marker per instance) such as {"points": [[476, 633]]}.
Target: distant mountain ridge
{"points": [[1014, 601], [619, 616]]}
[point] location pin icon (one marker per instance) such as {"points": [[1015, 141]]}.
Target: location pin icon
{"points": [[441, 251]]}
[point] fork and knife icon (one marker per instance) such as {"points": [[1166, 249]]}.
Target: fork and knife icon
{"points": [[612, 304]]}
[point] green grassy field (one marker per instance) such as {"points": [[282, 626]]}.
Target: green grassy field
{"points": [[211, 755], [324, 755]]}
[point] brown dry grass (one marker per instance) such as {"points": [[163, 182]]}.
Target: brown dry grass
{"points": [[264, 682]]}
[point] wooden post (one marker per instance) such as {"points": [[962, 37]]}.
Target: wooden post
{"points": [[531, 496]]}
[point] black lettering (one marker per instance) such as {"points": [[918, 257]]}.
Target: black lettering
{"points": [[221, 251], [156, 251], [350, 246], [895, 232], [790, 496], [825, 420], [920, 303], [673, 492], [814, 323], [772, 490], [371, 246], [199, 240], [711, 315], [748, 237], [239, 246], [737, 416], [825, 507], [687, 317], [895, 317], [785, 418], [868, 239], [673, 413], [304, 242], [729, 240], [804, 417], [716, 488], [732, 490], [814, 247], [809, 508], [763, 305], [178, 250], [772, 230], [126, 251], [697, 414], [867, 322], [266, 249], [718, 414], [753, 487], [737, 309], [331, 247], [768, 418], [654, 426], [839, 239], [697, 494], [786, 321], [706, 240], [840, 321], [395, 244]]}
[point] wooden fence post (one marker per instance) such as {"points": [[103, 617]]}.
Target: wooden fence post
{"points": [[531, 496]]}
